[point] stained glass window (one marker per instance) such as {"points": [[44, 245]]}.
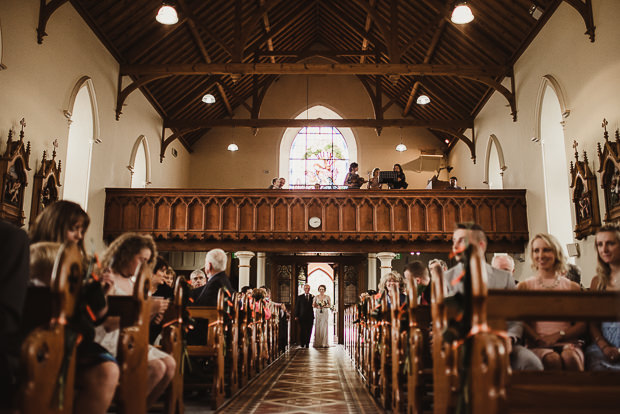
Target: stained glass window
{"points": [[319, 155]]}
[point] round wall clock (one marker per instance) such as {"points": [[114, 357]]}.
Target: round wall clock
{"points": [[314, 222]]}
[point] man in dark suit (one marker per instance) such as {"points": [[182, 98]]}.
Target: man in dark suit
{"points": [[215, 265], [305, 315], [14, 274]]}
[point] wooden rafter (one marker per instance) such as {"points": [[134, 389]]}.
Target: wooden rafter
{"points": [[304, 54], [124, 93], [267, 28], [367, 25], [463, 71], [375, 98], [427, 59], [584, 8], [467, 141], [45, 12], [300, 123], [150, 40]]}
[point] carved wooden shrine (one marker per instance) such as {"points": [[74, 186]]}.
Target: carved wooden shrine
{"points": [[585, 197], [609, 161], [13, 166], [45, 185], [315, 220]]}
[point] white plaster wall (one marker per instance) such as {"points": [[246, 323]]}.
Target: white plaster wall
{"points": [[257, 160], [589, 74], [37, 85]]}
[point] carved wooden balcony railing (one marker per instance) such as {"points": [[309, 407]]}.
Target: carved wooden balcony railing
{"points": [[350, 220]]}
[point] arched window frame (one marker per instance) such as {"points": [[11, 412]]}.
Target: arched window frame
{"points": [[551, 81], [88, 83], [147, 155], [500, 154], [314, 112]]}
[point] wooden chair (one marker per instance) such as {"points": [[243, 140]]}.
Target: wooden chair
{"points": [[214, 347], [133, 344], [48, 349], [172, 343]]}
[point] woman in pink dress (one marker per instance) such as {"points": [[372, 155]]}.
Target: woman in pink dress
{"points": [[556, 343]]}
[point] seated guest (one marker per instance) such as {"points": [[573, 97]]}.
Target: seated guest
{"points": [[388, 280], [374, 184], [443, 265], [284, 317], [466, 234], [401, 180], [215, 265], [419, 272], [556, 343], [260, 295], [281, 183], [13, 286], [604, 352], [453, 185], [197, 278], [170, 277], [274, 184], [96, 369], [42, 257], [120, 262], [504, 262], [161, 294], [353, 180]]}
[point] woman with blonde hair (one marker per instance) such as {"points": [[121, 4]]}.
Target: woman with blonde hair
{"points": [[556, 343], [604, 352]]}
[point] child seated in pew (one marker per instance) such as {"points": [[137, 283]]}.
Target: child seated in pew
{"points": [[120, 262], [557, 343], [97, 371], [603, 354]]}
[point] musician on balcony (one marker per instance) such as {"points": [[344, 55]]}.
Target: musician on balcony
{"points": [[353, 180]]}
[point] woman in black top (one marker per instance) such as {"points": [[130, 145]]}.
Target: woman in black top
{"points": [[401, 182], [353, 180]]}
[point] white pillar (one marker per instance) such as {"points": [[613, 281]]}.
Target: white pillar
{"points": [[244, 267], [372, 271], [260, 268], [386, 262]]}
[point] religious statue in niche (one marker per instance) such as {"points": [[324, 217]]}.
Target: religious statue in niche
{"points": [[585, 196], [13, 166], [45, 185], [609, 161]]}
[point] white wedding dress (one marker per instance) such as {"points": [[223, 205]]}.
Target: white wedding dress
{"points": [[321, 323]]}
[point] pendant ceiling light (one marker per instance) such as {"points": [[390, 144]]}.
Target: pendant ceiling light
{"points": [[401, 147], [233, 147], [423, 100], [208, 99], [462, 14], [167, 14]]}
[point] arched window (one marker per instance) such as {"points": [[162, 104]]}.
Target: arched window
{"points": [[495, 166], [551, 112], [140, 164], [317, 155], [83, 132]]}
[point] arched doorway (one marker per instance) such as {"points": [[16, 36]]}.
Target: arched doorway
{"points": [[323, 274], [555, 166], [83, 132]]}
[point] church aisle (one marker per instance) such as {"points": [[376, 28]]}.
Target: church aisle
{"points": [[311, 381]]}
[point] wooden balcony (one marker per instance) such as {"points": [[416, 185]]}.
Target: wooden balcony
{"points": [[350, 220]]}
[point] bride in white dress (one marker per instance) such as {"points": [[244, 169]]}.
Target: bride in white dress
{"points": [[322, 304]]}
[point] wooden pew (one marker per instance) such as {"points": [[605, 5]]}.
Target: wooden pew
{"points": [[133, 344], [494, 387], [172, 343], [385, 352], [214, 347], [46, 312]]}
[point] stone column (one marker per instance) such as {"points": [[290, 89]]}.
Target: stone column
{"points": [[260, 268], [386, 262], [372, 271], [244, 267]]}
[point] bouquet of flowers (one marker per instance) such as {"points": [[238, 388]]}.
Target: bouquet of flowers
{"points": [[322, 304]]}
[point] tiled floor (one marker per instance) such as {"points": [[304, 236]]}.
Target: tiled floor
{"points": [[309, 381]]}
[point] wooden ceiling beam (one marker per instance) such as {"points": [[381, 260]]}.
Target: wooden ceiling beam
{"points": [[309, 53], [367, 25], [300, 123], [151, 40], [584, 8], [430, 52], [189, 69], [342, 15], [267, 27]]}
